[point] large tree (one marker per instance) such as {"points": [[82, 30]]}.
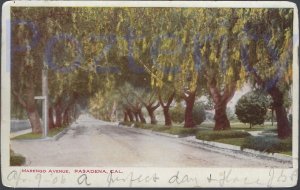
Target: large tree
{"points": [[267, 56]]}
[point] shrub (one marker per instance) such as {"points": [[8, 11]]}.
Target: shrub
{"points": [[198, 113], [177, 113], [268, 144], [252, 108], [215, 135], [16, 159]]}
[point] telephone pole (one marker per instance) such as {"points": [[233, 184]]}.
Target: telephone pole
{"points": [[44, 99], [45, 102]]}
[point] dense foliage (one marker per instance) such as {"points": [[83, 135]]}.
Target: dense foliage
{"points": [[109, 58], [252, 108]]}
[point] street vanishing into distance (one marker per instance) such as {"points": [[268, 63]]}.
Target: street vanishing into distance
{"points": [[95, 143]]}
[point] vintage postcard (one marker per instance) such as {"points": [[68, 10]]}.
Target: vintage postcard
{"points": [[149, 94]]}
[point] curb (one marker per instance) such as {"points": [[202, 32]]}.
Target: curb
{"points": [[60, 134]]}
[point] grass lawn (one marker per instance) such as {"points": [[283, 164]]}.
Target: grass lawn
{"points": [[287, 153], [51, 133]]}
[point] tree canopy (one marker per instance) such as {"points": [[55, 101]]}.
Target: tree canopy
{"points": [[133, 57]]}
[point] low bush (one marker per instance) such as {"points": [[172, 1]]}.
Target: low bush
{"points": [[268, 144], [214, 135], [16, 159]]}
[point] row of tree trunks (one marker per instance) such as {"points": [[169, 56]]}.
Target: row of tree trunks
{"points": [[166, 108], [128, 115], [63, 113]]}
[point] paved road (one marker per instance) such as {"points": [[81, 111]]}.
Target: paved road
{"points": [[95, 143]]}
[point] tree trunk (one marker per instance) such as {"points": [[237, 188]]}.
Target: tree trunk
{"points": [[152, 116], [141, 116], [125, 116], [130, 115], [283, 128], [221, 120], [66, 117], [113, 115], [34, 119], [168, 121], [166, 107], [58, 117], [220, 101], [50, 118], [188, 116], [136, 116], [32, 111], [151, 110], [29, 105]]}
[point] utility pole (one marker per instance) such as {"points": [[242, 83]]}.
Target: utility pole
{"points": [[44, 98], [45, 103]]}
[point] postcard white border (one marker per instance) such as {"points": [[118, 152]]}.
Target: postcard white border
{"points": [[256, 177]]}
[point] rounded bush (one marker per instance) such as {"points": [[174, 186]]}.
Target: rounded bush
{"points": [[177, 113], [199, 113], [252, 108]]}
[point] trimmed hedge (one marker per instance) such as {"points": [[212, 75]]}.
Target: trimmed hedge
{"points": [[268, 144], [181, 131], [215, 135], [162, 128]]}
